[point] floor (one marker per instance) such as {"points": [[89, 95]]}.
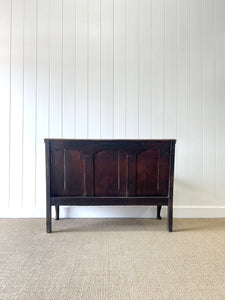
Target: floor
{"points": [[112, 259]]}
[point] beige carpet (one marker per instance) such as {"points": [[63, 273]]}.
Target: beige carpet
{"points": [[112, 259]]}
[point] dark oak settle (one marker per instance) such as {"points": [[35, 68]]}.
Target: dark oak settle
{"points": [[109, 172]]}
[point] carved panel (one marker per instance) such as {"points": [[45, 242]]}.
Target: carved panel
{"points": [[67, 173], [74, 169], [57, 174], [152, 173], [147, 180], [110, 170]]}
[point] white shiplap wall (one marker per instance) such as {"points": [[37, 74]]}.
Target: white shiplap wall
{"points": [[113, 69]]}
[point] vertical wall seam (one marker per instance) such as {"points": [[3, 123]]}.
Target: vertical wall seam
{"points": [[75, 61], [87, 68], [164, 69], [10, 106], [49, 68], [177, 153], [138, 68], [176, 67], [100, 53], [151, 75], [202, 100], [62, 71], [113, 92], [189, 95], [36, 80], [23, 59], [214, 96], [150, 94], [125, 119]]}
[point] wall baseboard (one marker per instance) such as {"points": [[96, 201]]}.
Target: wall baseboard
{"points": [[117, 212], [199, 212]]}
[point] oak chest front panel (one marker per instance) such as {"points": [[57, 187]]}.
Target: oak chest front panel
{"points": [[109, 172]]}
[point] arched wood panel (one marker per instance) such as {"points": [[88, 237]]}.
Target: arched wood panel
{"points": [[110, 172], [152, 171], [67, 173]]}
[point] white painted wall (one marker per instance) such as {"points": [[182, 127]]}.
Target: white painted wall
{"points": [[113, 69]]}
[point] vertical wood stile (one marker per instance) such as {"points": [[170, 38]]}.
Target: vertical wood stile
{"points": [[131, 178], [48, 186], [89, 173], [171, 181]]}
